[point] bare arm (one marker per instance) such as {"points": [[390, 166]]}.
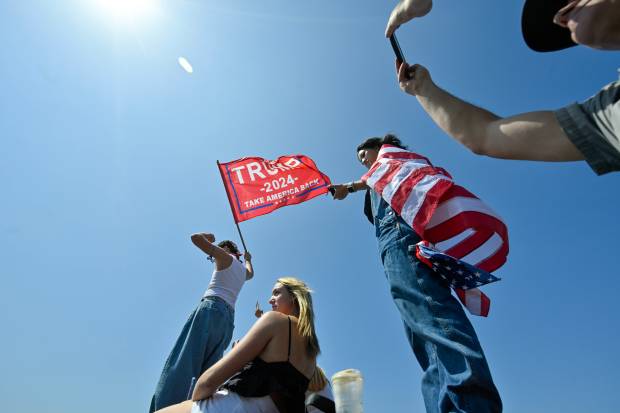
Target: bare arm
{"points": [[249, 269], [250, 347], [340, 190], [205, 241], [535, 136]]}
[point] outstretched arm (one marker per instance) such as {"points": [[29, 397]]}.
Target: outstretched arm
{"points": [[205, 241], [535, 136], [249, 269], [340, 191], [250, 347]]}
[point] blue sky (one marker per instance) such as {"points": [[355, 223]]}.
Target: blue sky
{"points": [[108, 164]]}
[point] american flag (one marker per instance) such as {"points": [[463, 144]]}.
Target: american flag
{"points": [[464, 278], [448, 217]]}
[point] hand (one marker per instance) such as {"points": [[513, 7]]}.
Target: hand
{"points": [[247, 256], [339, 191], [412, 79], [202, 391], [406, 10], [258, 313]]}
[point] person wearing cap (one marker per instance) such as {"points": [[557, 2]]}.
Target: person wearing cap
{"points": [[588, 131], [208, 330]]}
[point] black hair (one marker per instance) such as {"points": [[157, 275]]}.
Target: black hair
{"points": [[231, 246], [376, 143]]}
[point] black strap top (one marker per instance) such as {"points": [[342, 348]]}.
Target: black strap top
{"points": [[280, 379]]}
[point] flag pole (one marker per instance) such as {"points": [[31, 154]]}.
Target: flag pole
{"points": [[241, 236], [231, 207]]}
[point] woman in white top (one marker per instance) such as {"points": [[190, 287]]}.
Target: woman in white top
{"points": [[208, 330]]}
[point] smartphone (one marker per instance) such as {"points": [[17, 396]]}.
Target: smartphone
{"points": [[397, 51]]}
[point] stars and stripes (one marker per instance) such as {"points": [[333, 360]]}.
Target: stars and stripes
{"points": [[456, 272], [444, 214]]}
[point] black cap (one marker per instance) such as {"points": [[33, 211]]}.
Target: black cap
{"points": [[539, 31]]}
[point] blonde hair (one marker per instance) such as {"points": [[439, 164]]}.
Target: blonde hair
{"points": [[301, 292], [318, 380]]}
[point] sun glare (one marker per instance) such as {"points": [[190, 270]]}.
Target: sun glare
{"points": [[129, 10]]}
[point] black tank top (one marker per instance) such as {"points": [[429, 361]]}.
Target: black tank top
{"points": [[280, 379]]}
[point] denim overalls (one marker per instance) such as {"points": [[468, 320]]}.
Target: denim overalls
{"points": [[456, 376]]}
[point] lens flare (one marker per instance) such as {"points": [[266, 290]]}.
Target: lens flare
{"points": [[186, 65]]}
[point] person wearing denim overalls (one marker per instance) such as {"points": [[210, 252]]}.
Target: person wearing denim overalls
{"points": [[208, 330], [456, 376]]}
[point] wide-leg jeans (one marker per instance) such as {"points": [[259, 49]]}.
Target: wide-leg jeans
{"points": [[205, 336], [456, 376]]}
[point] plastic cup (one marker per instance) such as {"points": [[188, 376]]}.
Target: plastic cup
{"points": [[347, 386]]}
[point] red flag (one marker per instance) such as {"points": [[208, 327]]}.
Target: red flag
{"points": [[256, 186]]}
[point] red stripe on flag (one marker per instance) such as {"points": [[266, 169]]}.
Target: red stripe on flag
{"points": [[403, 155], [458, 190], [469, 244], [393, 168], [476, 304], [496, 260], [422, 258], [404, 189], [463, 221], [371, 171], [485, 304], [429, 205]]}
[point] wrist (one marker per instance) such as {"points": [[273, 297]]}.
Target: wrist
{"points": [[350, 187], [427, 88]]}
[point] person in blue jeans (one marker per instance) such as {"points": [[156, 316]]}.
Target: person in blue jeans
{"points": [[208, 330], [456, 375]]}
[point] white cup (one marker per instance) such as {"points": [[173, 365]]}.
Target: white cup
{"points": [[347, 385]]}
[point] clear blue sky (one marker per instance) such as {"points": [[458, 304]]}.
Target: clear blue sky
{"points": [[108, 164]]}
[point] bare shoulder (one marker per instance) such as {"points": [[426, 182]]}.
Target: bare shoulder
{"points": [[274, 317], [275, 320]]}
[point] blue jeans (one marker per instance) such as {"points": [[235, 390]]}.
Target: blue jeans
{"points": [[456, 376], [205, 336]]}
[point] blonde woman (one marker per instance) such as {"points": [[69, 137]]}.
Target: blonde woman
{"points": [[270, 369]]}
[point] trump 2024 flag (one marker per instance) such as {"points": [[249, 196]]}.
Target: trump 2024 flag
{"points": [[256, 186]]}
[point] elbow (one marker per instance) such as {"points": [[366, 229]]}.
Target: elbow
{"points": [[474, 146], [200, 241], [475, 141], [480, 140], [479, 149], [477, 130], [203, 389]]}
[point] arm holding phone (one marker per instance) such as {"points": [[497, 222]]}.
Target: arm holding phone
{"points": [[535, 136]]}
